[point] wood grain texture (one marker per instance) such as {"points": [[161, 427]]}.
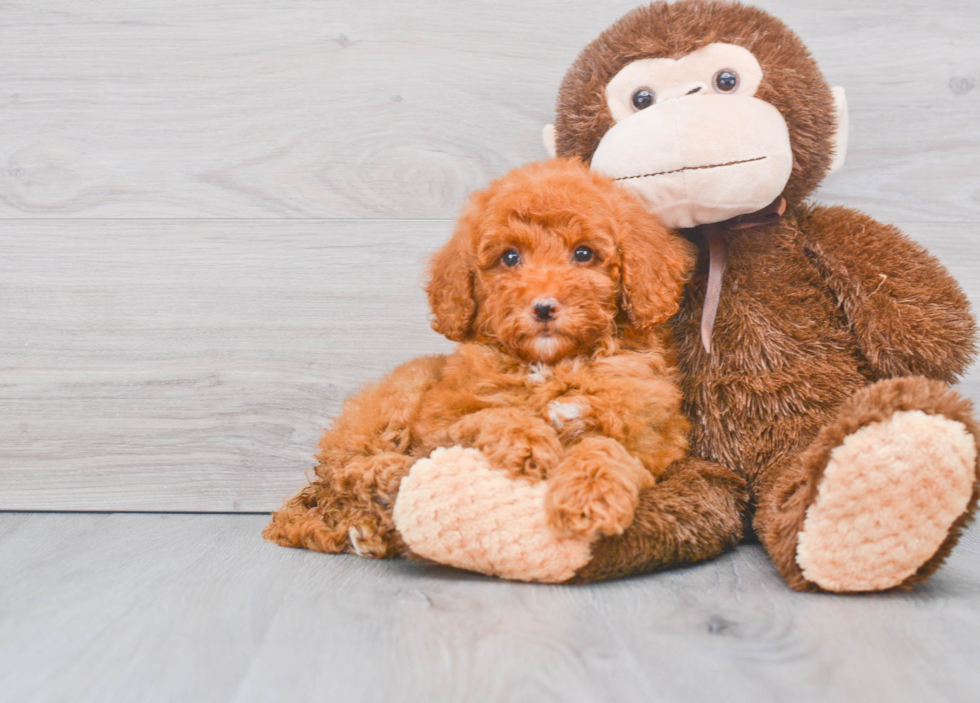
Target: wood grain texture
{"points": [[384, 109], [215, 213], [195, 607], [173, 365], [170, 366]]}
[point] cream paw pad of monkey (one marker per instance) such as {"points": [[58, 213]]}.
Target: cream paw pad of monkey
{"points": [[454, 509], [911, 474]]}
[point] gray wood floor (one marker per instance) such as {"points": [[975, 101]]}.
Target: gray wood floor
{"points": [[129, 607]]}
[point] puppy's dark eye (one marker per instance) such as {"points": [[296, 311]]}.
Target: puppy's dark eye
{"points": [[583, 254], [726, 81], [643, 98], [510, 258]]}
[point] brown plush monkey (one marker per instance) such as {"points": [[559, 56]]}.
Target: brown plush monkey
{"points": [[816, 347]]}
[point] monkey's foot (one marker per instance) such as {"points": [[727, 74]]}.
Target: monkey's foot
{"points": [[455, 509], [886, 502]]}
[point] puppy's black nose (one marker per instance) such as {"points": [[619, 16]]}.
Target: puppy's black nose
{"points": [[544, 309]]}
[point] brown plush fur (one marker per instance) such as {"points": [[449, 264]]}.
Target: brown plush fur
{"points": [[693, 512], [783, 506], [816, 312], [586, 399]]}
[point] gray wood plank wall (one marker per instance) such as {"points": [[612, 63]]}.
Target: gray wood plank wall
{"points": [[215, 214]]}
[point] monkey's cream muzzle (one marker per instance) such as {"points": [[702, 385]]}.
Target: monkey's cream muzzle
{"points": [[713, 160], [701, 158]]}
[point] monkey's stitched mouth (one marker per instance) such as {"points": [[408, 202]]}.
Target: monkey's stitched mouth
{"points": [[691, 168]]}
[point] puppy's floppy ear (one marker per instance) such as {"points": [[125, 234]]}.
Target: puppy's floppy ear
{"points": [[656, 264], [450, 285]]}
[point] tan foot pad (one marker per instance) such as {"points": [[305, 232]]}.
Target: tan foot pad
{"points": [[886, 501], [454, 509]]}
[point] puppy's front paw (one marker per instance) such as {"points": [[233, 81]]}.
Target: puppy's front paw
{"points": [[595, 490], [522, 444], [365, 541]]}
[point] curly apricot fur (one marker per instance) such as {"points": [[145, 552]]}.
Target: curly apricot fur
{"points": [[542, 398]]}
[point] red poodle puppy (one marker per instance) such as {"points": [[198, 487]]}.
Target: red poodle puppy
{"points": [[555, 283]]}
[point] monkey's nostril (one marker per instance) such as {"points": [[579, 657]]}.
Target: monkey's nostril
{"points": [[693, 90]]}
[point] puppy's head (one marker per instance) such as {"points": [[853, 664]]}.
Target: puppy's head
{"points": [[551, 259]]}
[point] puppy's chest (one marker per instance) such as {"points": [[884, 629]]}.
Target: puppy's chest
{"points": [[557, 397]]}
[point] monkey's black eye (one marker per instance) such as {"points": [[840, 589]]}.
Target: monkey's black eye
{"points": [[726, 81], [510, 258], [583, 254], [643, 98]]}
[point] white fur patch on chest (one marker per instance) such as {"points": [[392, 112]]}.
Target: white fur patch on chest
{"points": [[538, 372], [566, 415]]}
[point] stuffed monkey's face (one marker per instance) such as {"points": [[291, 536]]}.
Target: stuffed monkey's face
{"points": [[691, 139]]}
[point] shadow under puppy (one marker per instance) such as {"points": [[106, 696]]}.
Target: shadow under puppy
{"points": [[555, 283]]}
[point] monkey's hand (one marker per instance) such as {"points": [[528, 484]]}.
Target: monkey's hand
{"points": [[454, 508], [910, 316]]}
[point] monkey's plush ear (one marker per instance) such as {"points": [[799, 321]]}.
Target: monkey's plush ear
{"points": [[656, 264], [450, 284], [839, 140], [548, 137]]}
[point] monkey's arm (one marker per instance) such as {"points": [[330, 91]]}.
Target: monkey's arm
{"points": [[909, 315]]}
